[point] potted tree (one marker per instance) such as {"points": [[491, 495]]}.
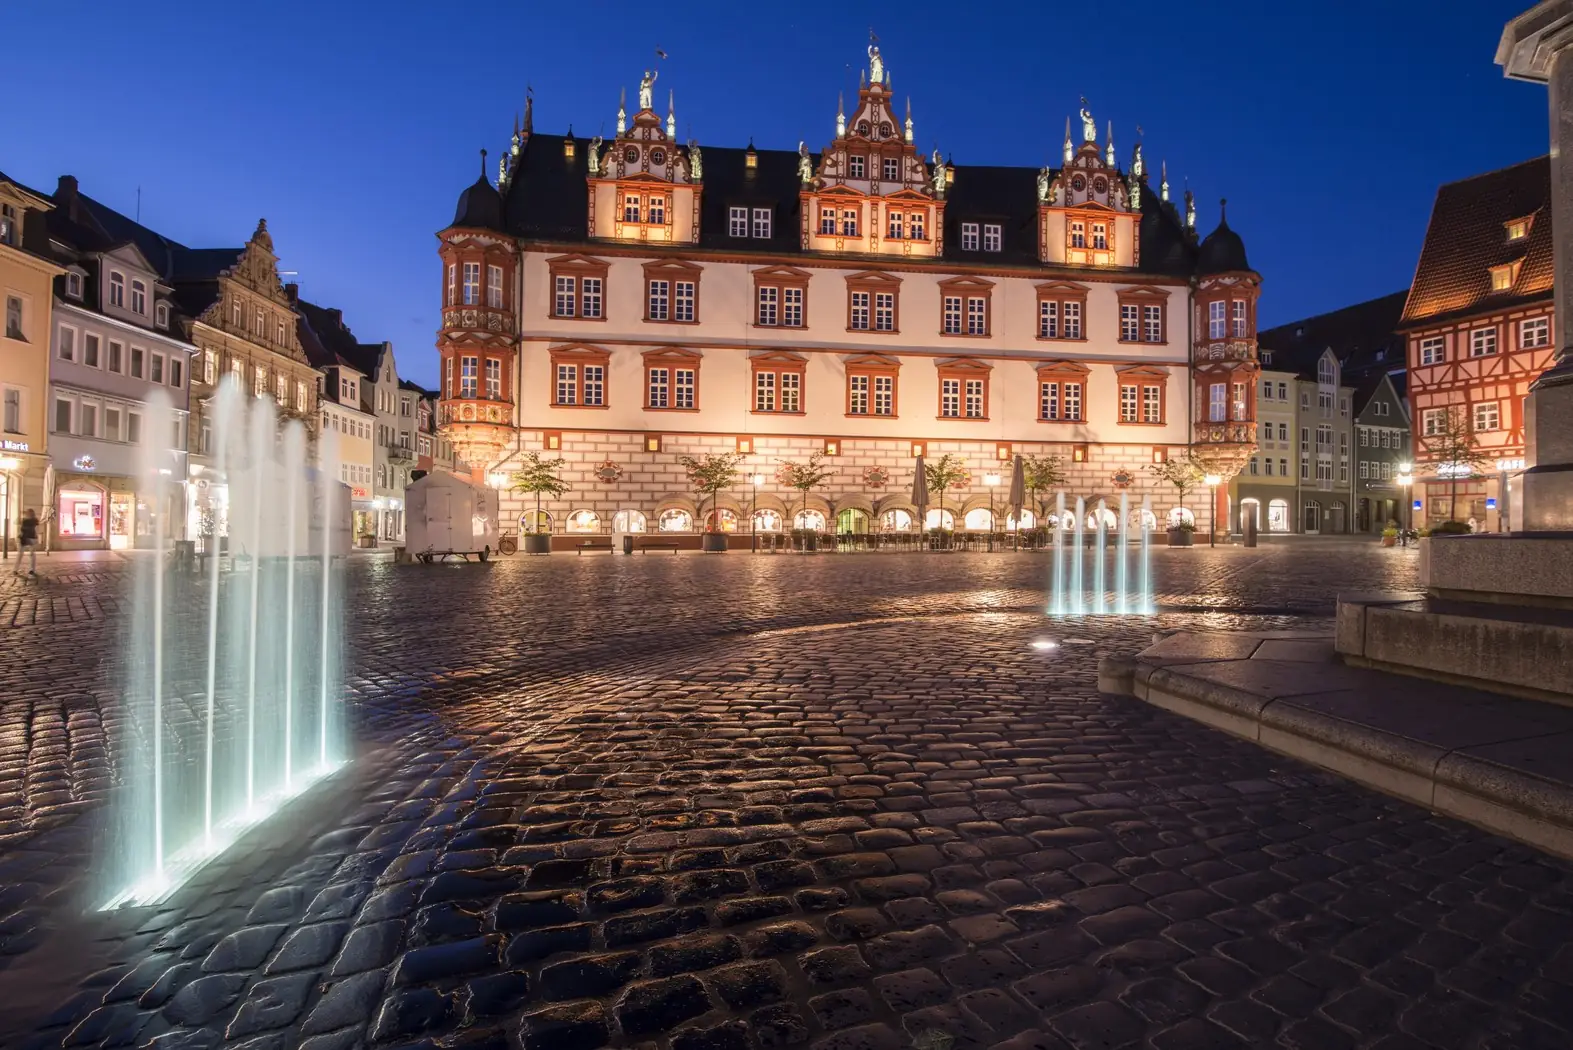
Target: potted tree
{"points": [[805, 477], [1455, 449], [946, 472], [539, 476], [1185, 474], [1042, 475], [1390, 535], [708, 475]]}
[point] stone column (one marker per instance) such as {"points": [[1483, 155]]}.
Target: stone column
{"points": [[1538, 46]]}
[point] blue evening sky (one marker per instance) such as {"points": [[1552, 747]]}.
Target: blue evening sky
{"points": [[1328, 124]]}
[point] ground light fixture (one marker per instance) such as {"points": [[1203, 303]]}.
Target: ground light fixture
{"points": [[1045, 643], [1212, 481]]}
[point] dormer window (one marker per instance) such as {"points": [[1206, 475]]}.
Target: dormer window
{"points": [[1503, 277], [1517, 230], [10, 225], [991, 237], [916, 227], [827, 221], [897, 225], [762, 223], [855, 167], [138, 298], [1100, 236], [969, 236], [117, 290], [737, 221], [74, 285], [161, 315], [631, 207]]}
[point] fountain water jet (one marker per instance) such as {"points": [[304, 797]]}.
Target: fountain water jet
{"points": [[212, 732], [1067, 596]]}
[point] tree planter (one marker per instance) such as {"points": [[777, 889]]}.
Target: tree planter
{"points": [[537, 543], [1181, 537], [715, 543], [1389, 541]]}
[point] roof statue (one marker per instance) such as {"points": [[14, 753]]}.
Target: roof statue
{"points": [[671, 115], [941, 175], [595, 155], [1043, 184], [264, 238], [1138, 169], [1089, 129], [1136, 195], [502, 169], [805, 166], [1067, 140], [647, 89], [876, 65], [529, 110], [1108, 152], [695, 160]]}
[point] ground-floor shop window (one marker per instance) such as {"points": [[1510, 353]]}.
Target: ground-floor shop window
{"points": [[81, 514]]}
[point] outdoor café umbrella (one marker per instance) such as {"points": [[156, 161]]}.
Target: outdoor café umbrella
{"points": [[1018, 489], [920, 494]]}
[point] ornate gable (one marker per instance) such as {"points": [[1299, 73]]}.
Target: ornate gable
{"points": [[1089, 212], [644, 186]]}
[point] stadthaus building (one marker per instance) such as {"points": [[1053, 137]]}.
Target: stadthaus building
{"points": [[622, 303]]}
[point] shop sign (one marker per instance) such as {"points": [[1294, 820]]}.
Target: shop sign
{"points": [[1510, 464], [359, 492], [8, 445], [84, 463]]}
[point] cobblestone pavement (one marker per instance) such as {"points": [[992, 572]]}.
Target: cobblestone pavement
{"points": [[754, 802]]}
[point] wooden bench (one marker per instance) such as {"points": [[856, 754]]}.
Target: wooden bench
{"points": [[594, 545], [671, 545]]}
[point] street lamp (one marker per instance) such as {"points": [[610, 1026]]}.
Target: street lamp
{"points": [[1406, 478], [1212, 481], [992, 481], [753, 515]]}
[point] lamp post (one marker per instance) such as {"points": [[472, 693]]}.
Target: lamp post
{"points": [[1405, 479], [1212, 481], [991, 481], [753, 515]]}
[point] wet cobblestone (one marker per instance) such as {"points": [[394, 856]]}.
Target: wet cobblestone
{"points": [[738, 802]]}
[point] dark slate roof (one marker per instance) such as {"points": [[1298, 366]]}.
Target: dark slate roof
{"points": [[479, 205], [416, 388], [328, 325], [546, 199], [1223, 251], [1468, 234], [1356, 335]]}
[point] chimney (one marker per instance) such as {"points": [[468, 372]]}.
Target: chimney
{"points": [[293, 291], [66, 197]]}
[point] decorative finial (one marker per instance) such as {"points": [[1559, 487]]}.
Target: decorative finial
{"points": [[1190, 207], [1223, 211], [671, 115], [622, 111], [529, 109], [1163, 187], [841, 114], [909, 119], [1067, 140], [515, 123], [483, 163], [862, 79], [1108, 152]]}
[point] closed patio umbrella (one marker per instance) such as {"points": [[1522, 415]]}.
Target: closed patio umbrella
{"points": [[920, 494], [46, 512], [1018, 490]]}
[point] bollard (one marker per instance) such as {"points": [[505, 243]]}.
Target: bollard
{"points": [[628, 544], [1248, 527]]}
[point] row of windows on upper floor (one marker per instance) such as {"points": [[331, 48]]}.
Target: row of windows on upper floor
{"points": [[1482, 417], [1279, 391], [783, 390], [95, 417], [285, 390], [89, 349], [282, 324], [783, 304], [1534, 333]]}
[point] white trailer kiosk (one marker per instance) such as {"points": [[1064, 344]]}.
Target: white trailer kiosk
{"points": [[448, 516]]}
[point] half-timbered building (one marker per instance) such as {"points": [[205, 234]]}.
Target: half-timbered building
{"points": [[1479, 328], [622, 303]]}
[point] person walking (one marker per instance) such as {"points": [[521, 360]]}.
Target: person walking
{"points": [[27, 540]]}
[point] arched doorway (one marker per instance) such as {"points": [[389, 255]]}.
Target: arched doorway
{"points": [[852, 520], [1337, 518], [1278, 515]]}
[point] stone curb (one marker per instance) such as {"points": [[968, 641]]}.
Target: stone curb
{"points": [[1470, 781]]}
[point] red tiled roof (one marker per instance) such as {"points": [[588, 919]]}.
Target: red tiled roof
{"points": [[1468, 235]]}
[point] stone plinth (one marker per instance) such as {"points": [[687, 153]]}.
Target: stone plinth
{"points": [[1535, 569]]}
